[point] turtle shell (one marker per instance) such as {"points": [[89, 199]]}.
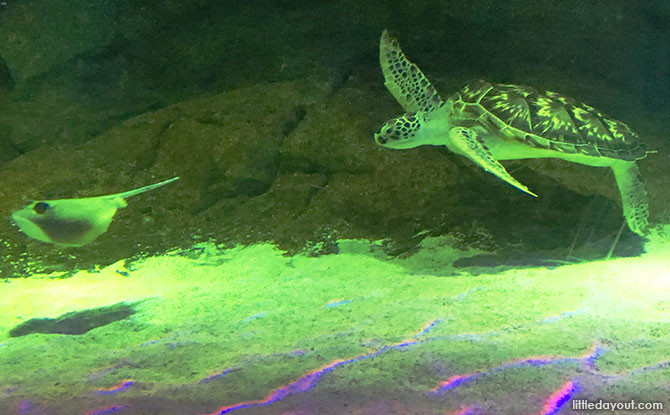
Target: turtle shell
{"points": [[546, 120]]}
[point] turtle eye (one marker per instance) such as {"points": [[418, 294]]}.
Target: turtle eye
{"points": [[41, 207]]}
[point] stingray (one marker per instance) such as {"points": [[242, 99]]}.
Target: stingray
{"points": [[74, 222]]}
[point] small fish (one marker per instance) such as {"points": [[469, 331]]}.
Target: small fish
{"points": [[74, 222]]}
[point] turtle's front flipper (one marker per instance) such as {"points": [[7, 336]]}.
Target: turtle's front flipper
{"points": [[633, 196], [465, 140], [404, 80]]}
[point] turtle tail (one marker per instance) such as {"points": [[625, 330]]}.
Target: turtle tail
{"points": [[633, 196]]}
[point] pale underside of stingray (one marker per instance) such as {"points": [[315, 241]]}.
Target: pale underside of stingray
{"points": [[74, 222], [487, 122]]}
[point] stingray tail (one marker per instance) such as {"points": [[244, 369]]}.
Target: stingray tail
{"points": [[145, 188]]}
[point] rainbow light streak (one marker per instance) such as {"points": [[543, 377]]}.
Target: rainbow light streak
{"points": [[26, 406], [124, 385], [455, 381], [108, 410], [216, 375], [589, 359], [561, 316], [556, 400], [150, 342], [311, 379], [470, 410], [254, 317], [658, 366], [662, 365], [462, 295], [305, 383], [427, 328], [336, 303]]}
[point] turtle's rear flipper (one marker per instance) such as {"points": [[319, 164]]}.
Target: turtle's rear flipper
{"points": [[465, 140], [633, 196]]}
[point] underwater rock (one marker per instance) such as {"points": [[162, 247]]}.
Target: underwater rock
{"points": [[6, 80], [40, 34], [83, 67]]}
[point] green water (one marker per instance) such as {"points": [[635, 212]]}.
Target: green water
{"points": [[251, 285]]}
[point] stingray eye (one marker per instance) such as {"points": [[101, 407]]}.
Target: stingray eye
{"points": [[40, 207]]}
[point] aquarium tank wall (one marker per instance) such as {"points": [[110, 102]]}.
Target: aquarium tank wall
{"points": [[344, 207]]}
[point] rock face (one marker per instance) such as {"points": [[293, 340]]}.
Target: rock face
{"points": [[270, 126]]}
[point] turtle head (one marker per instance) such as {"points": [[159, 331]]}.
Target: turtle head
{"points": [[414, 129], [401, 132]]}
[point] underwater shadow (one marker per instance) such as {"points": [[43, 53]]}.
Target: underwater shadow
{"points": [[579, 229], [630, 246], [75, 322]]}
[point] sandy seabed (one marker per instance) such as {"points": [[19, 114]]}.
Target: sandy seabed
{"points": [[251, 330]]}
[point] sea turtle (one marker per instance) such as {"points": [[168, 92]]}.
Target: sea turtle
{"points": [[487, 122]]}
